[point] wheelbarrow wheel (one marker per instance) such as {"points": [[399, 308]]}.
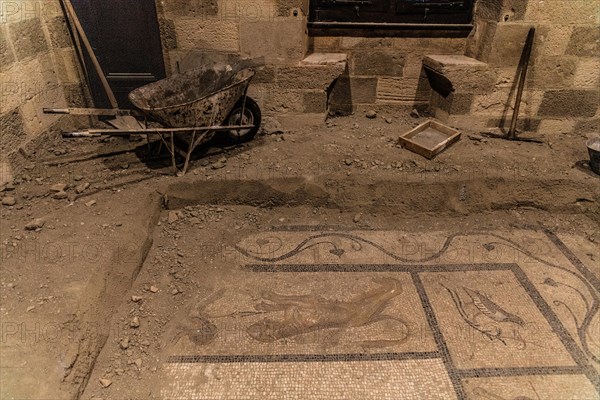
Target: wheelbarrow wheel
{"points": [[251, 116]]}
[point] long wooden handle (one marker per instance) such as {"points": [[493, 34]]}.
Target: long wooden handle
{"points": [[523, 65], [88, 47]]}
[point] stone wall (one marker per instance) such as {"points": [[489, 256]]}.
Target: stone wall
{"points": [[562, 90], [386, 72], [273, 31], [38, 68]]}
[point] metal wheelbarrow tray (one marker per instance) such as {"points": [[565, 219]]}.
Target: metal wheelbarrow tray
{"points": [[193, 105]]}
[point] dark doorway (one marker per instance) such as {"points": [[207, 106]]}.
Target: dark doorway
{"points": [[126, 39]]}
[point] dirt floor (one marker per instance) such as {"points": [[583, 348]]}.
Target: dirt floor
{"points": [[108, 260]]}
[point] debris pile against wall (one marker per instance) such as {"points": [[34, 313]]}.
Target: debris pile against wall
{"points": [[38, 68]]}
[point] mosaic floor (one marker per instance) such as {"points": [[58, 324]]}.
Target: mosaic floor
{"points": [[385, 315]]}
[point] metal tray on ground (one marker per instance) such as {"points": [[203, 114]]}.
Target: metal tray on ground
{"points": [[429, 139]]}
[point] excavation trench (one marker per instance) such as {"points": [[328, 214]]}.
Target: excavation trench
{"points": [[108, 287], [390, 196]]}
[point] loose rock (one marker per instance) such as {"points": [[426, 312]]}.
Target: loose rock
{"points": [[136, 299], [220, 163], [153, 289], [9, 201], [90, 203], [173, 216], [135, 322], [37, 223], [371, 114], [105, 382], [82, 188], [124, 344], [58, 187], [271, 126], [60, 195]]}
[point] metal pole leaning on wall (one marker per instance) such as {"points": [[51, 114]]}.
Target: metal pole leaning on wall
{"points": [[523, 65]]}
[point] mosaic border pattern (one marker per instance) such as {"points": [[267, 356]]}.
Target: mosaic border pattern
{"points": [[455, 374]]}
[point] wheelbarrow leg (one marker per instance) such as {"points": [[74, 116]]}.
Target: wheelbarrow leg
{"points": [[188, 154], [172, 150]]}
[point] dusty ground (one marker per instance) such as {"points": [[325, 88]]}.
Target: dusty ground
{"points": [[66, 288]]}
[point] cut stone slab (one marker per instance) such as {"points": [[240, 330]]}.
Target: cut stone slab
{"points": [[466, 74], [325, 59]]}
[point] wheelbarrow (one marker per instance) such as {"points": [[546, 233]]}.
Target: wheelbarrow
{"points": [[192, 107]]}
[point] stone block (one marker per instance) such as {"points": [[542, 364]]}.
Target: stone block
{"points": [[401, 90], [501, 102], [282, 41], [557, 126], [207, 34], [348, 42], [587, 74], [278, 100], [28, 38], [376, 63], [168, 34], [513, 10], [66, 66], [12, 132], [6, 55], [557, 40], [418, 46], [552, 72], [508, 43], [34, 120], [74, 95], [488, 10], [12, 11], [314, 101], [588, 126], [23, 81], [363, 90], [493, 103], [308, 76], [466, 74], [285, 8], [564, 12], [454, 104], [570, 103], [338, 59], [265, 74], [585, 41], [324, 43], [192, 8], [480, 41], [59, 33]]}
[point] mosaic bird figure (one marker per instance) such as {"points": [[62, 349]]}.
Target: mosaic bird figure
{"points": [[491, 309], [494, 315]]}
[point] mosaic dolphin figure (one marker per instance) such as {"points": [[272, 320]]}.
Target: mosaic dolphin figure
{"points": [[304, 314]]}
